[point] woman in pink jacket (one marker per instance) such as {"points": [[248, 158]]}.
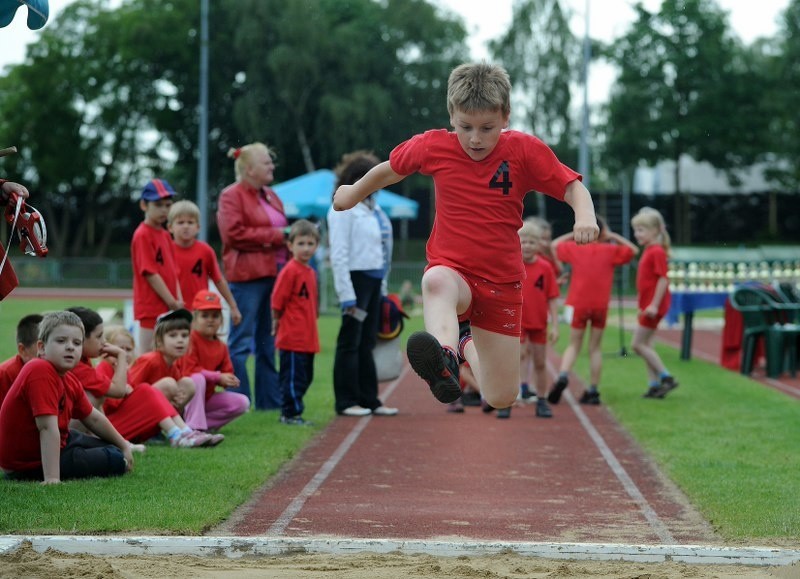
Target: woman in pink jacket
{"points": [[251, 223]]}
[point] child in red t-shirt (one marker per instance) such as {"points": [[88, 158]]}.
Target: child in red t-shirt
{"points": [[545, 247], [211, 366], [652, 287], [481, 175], [539, 302], [155, 272], [294, 320], [197, 262], [165, 367], [144, 411], [35, 440], [589, 293], [27, 350]]}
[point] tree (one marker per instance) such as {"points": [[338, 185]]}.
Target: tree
{"points": [[542, 57], [684, 83]]}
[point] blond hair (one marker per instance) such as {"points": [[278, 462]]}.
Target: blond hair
{"points": [[541, 222], [652, 219], [52, 320], [530, 228], [111, 333], [183, 208], [244, 156], [479, 87]]}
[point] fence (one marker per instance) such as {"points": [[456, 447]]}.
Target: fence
{"points": [[78, 272]]}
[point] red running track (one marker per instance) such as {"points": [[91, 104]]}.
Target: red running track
{"points": [[427, 474]]}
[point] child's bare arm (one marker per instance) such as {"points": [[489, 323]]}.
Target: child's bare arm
{"points": [[225, 291], [276, 320], [380, 176], [658, 295], [119, 381], [50, 446], [553, 324], [578, 197], [99, 424], [158, 285]]}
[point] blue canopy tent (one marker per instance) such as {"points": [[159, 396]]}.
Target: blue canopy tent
{"points": [[310, 196]]}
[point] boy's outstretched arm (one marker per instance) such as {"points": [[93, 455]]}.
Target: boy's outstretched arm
{"points": [[380, 176], [578, 197]]}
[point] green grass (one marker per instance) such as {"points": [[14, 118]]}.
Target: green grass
{"points": [[730, 443]]}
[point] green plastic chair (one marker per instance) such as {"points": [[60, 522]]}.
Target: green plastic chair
{"points": [[765, 317]]}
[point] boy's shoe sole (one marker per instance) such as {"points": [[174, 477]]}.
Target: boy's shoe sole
{"points": [[558, 388], [652, 392], [427, 359], [504, 412]]}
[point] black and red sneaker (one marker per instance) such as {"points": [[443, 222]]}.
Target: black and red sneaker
{"points": [[436, 365]]}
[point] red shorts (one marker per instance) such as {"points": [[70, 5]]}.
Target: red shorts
{"points": [[495, 307], [147, 323], [648, 322], [533, 336], [582, 316]]}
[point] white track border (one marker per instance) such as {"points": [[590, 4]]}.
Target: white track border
{"points": [[265, 546]]}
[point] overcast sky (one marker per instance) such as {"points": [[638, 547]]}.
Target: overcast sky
{"points": [[488, 19]]}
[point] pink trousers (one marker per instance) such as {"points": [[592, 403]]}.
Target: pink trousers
{"points": [[217, 411]]}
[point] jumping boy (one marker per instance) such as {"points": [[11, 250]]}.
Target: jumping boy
{"points": [[294, 320], [197, 262], [589, 292], [35, 441], [155, 272], [481, 174]]}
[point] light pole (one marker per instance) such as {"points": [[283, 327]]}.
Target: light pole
{"points": [[202, 132], [583, 151]]}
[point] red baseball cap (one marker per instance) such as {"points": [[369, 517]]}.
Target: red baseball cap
{"points": [[206, 300]]}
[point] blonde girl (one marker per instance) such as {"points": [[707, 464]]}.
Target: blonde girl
{"points": [[652, 287]]}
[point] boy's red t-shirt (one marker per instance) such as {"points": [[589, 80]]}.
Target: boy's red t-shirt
{"points": [[652, 266], [196, 265], [479, 203], [37, 391], [9, 370], [152, 252], [295, 295], [92, 381], [592, 274], [539, 287]]}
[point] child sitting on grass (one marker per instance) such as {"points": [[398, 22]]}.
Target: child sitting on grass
{"points": [[35, 440], [27, 337]]}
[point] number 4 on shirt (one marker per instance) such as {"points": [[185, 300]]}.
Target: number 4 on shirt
{"points": [[502, 179]]}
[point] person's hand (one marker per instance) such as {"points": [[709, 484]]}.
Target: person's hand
{"points": [[128, 454], [236, 316], [554, 333], [274, 331], [10, 187], [111, 352], [228, 380], [343, 198], [585, 231], [650, 311]]}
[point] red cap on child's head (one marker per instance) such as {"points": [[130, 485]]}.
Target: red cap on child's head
{"points": [[206, 300]]}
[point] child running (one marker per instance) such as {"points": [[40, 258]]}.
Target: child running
{"points": [[35, 440], [294, 321], [539, 302], [589, 293], [652, 287], [481, 174]]}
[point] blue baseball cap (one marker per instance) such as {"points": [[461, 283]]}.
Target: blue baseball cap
{"points": [[157, 189]]}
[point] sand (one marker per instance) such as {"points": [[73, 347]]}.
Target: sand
{"points": [[26, 562]]}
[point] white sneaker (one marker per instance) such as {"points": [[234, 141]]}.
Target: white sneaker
{"points": [[385, 411], [356, 411]]}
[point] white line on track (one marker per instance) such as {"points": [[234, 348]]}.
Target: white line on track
{"points": [[280, 524], [616, 467]]}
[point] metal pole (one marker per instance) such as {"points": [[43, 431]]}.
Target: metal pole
{"points": [[202, 132], [583, 151]]}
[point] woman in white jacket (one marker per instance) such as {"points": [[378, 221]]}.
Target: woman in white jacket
{"points": [[360, 253]]}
